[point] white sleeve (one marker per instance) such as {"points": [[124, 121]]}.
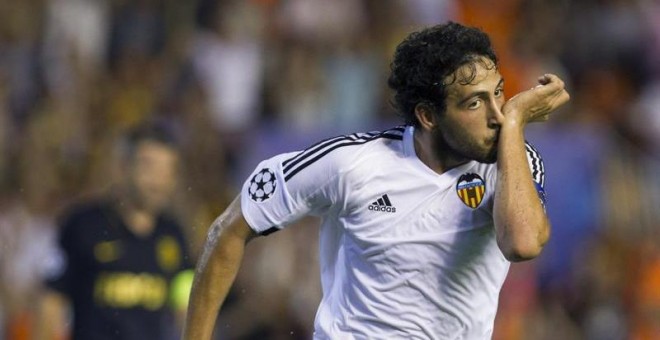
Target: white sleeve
{"points": [[537, 168], [287, 187]]}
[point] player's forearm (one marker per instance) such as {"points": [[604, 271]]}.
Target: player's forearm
{"points": [[210, 288], [520, 220], [215, 273]]}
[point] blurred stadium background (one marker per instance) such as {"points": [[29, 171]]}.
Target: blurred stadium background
{"points": [[243, 80]]}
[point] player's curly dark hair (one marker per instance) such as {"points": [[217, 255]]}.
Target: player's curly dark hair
{"points": [[425, 58]]}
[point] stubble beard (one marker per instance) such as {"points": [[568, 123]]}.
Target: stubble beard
{"points": [[457, 145]]}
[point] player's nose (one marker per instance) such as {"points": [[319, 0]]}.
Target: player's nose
{"points": [[495, 116]]}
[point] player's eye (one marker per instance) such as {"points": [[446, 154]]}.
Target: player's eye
{"points": [[499, 92], [474, 105]]}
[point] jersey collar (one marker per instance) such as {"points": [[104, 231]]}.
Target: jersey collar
{"points": [[409, 152]]}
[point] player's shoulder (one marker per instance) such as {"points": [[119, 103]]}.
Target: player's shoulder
{"points": [[84, 209], [536, 164], [85, 213], [347, 144], [342, 150], [534, 160], [532, 152]]}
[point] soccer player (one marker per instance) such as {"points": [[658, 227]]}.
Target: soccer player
{"points": [[124, 257], [420, 222]]}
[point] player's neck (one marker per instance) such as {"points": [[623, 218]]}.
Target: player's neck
{"points": [[437, 157], [140, 222]]}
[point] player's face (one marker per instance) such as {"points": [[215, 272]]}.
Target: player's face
{"points": [[152, 175], [470, 125]]}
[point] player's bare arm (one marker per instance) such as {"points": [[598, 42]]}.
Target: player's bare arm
{"points": [[520, 219], [216, 270]]}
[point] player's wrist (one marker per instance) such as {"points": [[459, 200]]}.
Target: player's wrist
{"points": [[511, 132], [513, 120]]}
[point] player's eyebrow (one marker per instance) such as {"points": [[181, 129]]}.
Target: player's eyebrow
{"points": [[480, 93]]}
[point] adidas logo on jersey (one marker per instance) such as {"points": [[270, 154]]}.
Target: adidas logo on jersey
{"points": [[382, 204]]}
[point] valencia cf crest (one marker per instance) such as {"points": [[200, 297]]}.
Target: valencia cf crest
{"points": [[471, 189]]}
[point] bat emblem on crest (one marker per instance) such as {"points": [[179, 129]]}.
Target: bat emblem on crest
{"points": [[471, 189]]}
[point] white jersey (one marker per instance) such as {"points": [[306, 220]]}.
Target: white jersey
{"points": [[405, 252]]}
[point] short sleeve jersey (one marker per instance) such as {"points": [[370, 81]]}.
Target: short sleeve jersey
{"points": [[405, 252]]}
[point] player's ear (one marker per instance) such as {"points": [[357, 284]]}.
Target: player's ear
{"points": [[425, 116]]}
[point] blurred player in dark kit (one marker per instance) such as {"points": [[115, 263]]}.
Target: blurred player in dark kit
{"points": [[124, 260]]}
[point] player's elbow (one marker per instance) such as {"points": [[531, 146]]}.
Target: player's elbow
{"points": [[518, 248], [521, 253]]}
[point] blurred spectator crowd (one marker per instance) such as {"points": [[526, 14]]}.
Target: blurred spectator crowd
{"points": [[243, 80]]}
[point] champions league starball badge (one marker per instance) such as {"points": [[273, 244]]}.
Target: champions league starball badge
{"points": [[471, 189], [262, 185]]}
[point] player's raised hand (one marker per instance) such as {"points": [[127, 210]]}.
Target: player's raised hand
{"points": [[536, 104]]}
